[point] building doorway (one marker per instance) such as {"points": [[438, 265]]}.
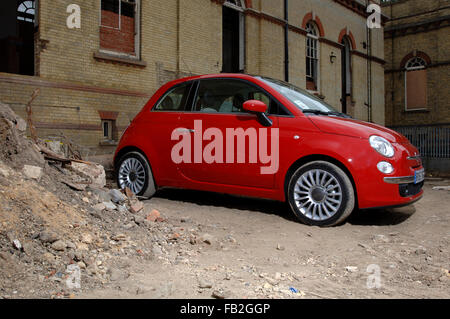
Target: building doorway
{"points": [[17, 28], [233, 37], [346, 75]]}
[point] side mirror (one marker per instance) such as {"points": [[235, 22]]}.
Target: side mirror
{"points": [[259, 108]]}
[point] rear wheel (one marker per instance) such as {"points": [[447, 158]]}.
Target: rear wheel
{"points": [[135, 173], [321, 194]]}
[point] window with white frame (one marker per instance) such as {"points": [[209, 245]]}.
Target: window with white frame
{"points": [[26, 11], [120, 26], [416, 84], [312, 56]]}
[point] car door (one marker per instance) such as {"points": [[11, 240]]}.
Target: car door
{"points": [[226, 140], [163, 121]]}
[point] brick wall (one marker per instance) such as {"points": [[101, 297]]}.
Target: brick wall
{"points": [[418, 27], [177, 38]]}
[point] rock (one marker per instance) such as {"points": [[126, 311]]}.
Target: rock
{"points": [[81, 264], [441, 188], [17, 244], [129, 193], [272, 281], [204, 284], [109, 206], [48, 237], [117, 196], [59, 245], [136, 206], [207, 239], [119, 237], [4, 170], [351, 268], [122, 209], [156, 250], [71, 245], [95, 172], [5, 256], [99, 207], [138, 219], [421, 251], [86, 200], [218, 294], [74, 186], [116, 274], [32, 172], [280, 247], [380, 239], [102, 195], [87, 239], [153, 216]]}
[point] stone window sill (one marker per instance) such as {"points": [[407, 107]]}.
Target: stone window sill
{"points": [[108, 143], [105, 57], [416, 111]]}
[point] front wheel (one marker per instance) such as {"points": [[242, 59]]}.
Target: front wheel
{"points": [[135, 173], [321, 194]]}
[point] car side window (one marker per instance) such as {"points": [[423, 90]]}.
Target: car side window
{"points": [[175, 99], [229, 95]]}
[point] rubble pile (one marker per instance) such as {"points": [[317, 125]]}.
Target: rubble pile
{"points": [[61, 230]]}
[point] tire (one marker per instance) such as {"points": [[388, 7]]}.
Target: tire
{"points": [[321, 194], [133, 171]]}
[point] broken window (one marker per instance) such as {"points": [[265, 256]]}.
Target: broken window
{"points": [[17, 28], [416, 84], [119, 27], [312, 56]]}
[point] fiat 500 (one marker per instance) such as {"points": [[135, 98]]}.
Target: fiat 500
{"points": [[260, 137]]}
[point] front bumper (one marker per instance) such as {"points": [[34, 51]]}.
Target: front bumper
{"points": [[399, 180]]}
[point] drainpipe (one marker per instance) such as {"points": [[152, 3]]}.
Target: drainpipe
{"points": [[286, 41], [369, 71], [178, 71]]}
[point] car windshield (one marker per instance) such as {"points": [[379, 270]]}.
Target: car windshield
{"points": [[301, 98]]}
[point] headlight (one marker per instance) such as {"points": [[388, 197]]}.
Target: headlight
{"points": [[382, 146]]}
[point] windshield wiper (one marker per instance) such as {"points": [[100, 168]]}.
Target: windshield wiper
{"points": [[319, 112]]}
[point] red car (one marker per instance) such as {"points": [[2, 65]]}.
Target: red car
{"points": [[259, 137]]}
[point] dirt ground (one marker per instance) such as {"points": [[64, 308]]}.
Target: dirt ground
{"points": [[65, 234], [257, 250]]}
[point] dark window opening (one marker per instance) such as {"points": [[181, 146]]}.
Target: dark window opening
{"points": [[17, 29], [233, 40], [346, 74], [109, 130]]}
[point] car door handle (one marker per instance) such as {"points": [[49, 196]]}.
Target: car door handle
{"points": [[185, 130]]}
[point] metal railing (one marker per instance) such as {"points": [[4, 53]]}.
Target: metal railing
{"points": [[431, 141]]}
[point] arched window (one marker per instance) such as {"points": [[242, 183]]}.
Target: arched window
{"points": [[312, 56], [26, 11], [416, 84]]}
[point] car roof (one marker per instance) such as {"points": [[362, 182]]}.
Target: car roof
{"points": [[212, 76]]}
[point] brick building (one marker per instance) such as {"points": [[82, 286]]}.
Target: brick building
{"points": [[95, 78], [417, 51]]}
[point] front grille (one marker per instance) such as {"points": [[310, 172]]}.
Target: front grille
{"points": [[407, 190]]}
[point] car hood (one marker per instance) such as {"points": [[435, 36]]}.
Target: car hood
{"points": [[355, 128]]}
